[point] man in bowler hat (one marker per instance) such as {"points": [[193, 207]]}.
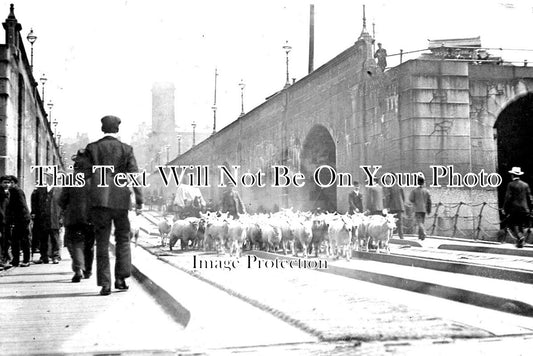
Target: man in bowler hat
{"points": [[110, 203], [517, 205]]}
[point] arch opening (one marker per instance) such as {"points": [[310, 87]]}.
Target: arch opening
{"points": [[514, 130], [318, 149]]}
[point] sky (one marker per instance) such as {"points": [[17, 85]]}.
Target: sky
{"points": [[102, 56]]}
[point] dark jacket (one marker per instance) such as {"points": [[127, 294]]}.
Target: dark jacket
{"points": [[355, 202], [517, 197], [232, 203], [110, 151], [421, 200], [45, 208], [394, 198], [4, 200], [17, 208], [374, 198], [75, 204]]}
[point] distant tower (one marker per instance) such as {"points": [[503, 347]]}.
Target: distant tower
{"points": [[163, 117], [163, 136]]}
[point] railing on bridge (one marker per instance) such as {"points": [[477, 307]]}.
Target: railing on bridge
{"points": [[497, 55], [463, 215]]}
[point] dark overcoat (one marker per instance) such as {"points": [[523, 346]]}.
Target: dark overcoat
{"points": [[111, 152]]}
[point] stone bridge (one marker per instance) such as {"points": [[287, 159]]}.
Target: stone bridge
{"points": [[432, 110]]}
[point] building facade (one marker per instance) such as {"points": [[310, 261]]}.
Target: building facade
{"points": [[26, 137]]}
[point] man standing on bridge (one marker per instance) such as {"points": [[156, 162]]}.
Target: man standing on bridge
{"points": [[421, 200], [381, 55], [517, 205], [110, 203]]}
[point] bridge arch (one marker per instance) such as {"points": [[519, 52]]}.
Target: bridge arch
{"points": [[514, 130], [318, 149]]}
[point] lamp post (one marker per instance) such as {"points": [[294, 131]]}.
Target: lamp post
{"points": [[214, 107], [31, 39], [242, 85], [168, 148], [55, 127], [287, 49], [43, 80], [193, 133], [179, 145], [50, 106]]}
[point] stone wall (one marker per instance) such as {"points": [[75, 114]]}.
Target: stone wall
{"points": [[423, 112]]}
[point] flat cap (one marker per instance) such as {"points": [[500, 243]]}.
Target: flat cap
{"points": [[9, 178], [110, 124]]}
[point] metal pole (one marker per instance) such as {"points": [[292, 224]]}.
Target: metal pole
{"points": [[31, 60], [214, 107], [311, 38], [193, 134], [287, 81]]}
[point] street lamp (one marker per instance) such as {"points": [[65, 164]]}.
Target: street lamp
{"points": [[43, 80], [242, 85], [193, 133], [31, 39], [168, 148], [55, 127], [214, 107], [50, 106], [287, 49], [179, 145]]}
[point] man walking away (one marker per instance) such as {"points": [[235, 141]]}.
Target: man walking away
{"points": [[79, 232], [110, 204], [46, 216], [517, 205], [394, 202], [421, 200]]}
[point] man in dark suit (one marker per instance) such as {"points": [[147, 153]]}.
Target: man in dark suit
{"points": [[5, 183], [79, 231], [374, 199], [18, 224], [46, 216], [421, 200], [355, 199], [110, 203], [394, 202], [517, 205], [232, 203]]}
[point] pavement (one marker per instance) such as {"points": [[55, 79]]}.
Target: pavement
{"points": [[43, 312]]}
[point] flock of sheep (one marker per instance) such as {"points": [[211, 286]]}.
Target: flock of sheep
{"points": [[286, 230]]}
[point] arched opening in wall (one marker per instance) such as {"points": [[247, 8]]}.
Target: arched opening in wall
{"points": [[514, 130], [318, 150]]}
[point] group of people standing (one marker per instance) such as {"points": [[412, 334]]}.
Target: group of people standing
{"points": [[517, 205], [87, 213], [393, 200]]}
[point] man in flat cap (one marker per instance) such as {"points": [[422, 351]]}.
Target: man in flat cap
{"points": [[517, 205], [110, 203]]}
